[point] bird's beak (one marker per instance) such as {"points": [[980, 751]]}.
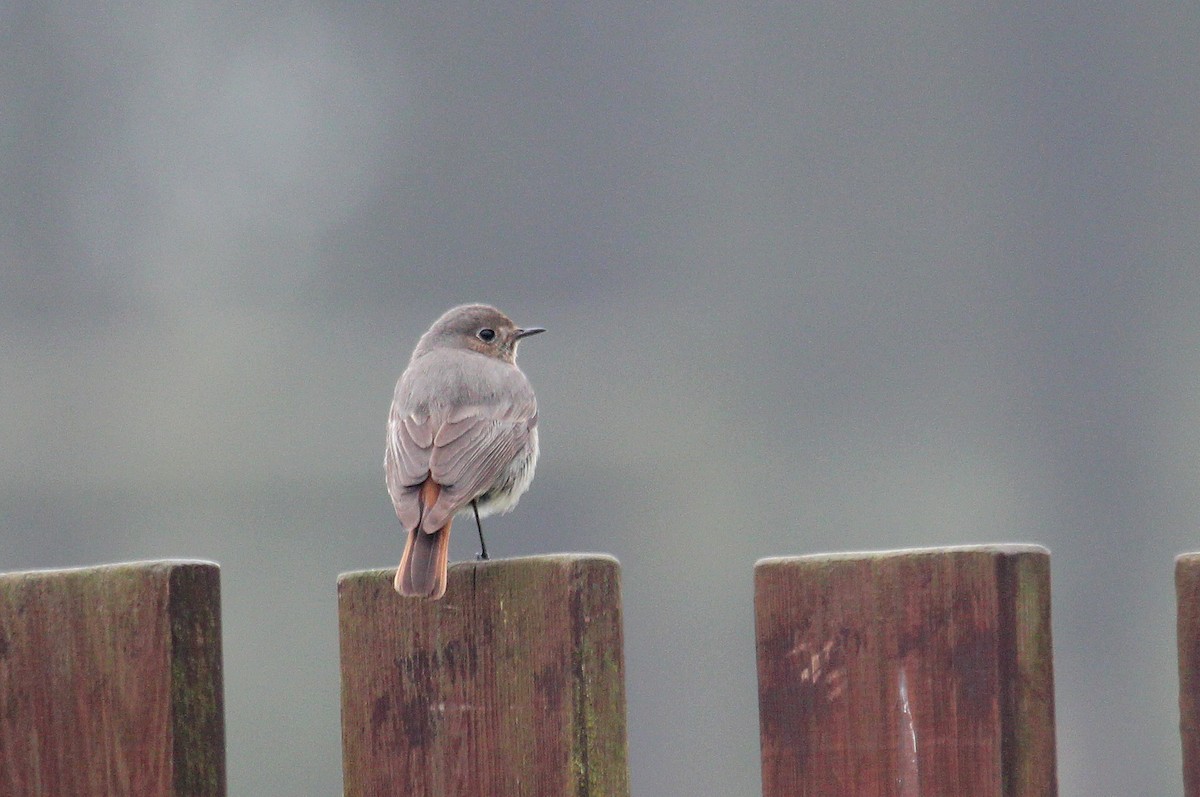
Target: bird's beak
{"points": [[524, 333]]}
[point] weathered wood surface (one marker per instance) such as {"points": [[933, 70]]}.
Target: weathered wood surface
{"points": [[110, 681], [906, 673], [1187, 594], [512, 684]]}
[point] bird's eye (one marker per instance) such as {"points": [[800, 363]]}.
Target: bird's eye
{"points": [[486, 335]]}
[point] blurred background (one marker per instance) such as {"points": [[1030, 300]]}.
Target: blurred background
{"points": [[818, 277]]}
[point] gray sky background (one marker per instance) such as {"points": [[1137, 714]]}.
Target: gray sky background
{"points": [[818, 277]]}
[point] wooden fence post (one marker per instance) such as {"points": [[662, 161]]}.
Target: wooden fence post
{"points": [[512, 684], [110, 681], [906, 673], [1187, 595]]}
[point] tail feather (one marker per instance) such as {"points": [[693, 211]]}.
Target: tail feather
{"points": [[422, 570]]}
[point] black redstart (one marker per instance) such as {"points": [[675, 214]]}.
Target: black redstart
{"points": [[462, 434]]}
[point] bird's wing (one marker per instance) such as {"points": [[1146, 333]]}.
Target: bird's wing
{"points": [[406, 461], [471, 450], [464, 449]]}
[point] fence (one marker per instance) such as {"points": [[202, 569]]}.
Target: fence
{"points": [[897, 673]]}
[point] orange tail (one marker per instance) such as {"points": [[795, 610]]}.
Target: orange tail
{"points": [[422, 571]]}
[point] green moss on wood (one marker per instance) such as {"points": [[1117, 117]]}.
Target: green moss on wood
{"points": [[197, 699]]}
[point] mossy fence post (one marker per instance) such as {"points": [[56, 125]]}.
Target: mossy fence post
{"points": [[1187, 594], [110, 681], [512, 684], [905, 673]]}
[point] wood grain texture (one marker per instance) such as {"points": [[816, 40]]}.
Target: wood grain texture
{"points": [[906, 673], [110, 681], [512, 684], [1187, 594]]}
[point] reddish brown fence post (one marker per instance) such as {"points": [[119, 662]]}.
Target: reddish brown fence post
{"points": [[906, 673], [1187, 594], [110, 681], [512, 684]]}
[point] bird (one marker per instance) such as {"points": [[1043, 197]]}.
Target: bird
{"points": [[461, 435]]}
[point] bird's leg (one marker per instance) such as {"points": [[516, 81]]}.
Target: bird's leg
{"points": [[479, 527]]}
